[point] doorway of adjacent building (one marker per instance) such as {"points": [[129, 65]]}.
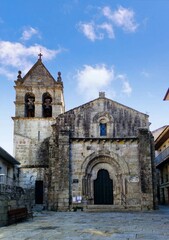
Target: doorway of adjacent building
{"points": [[103, 188], [39, 192]]}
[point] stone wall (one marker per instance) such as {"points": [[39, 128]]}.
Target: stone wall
{"points": [[12, 198], [3, 210], [120, 158], [147, 171], [121, 121], [78, 152], [59, 196], [31, 147]]}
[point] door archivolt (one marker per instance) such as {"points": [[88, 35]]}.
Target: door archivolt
{"points": [[105, 156], [115, 175], [112, 171]]}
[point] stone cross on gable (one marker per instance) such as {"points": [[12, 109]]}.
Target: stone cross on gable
{"points": [[40, 56]]}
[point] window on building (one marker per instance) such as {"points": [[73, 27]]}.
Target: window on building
{"points": [[103, 129], [46, 105], [166, 176], [29, 105], [162, 179]]}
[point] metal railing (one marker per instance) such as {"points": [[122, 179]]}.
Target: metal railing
{"points": [[163, 156]]}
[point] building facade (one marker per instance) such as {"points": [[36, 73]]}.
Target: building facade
{"points": [[9, 183], [98, 154], [101, 154], [161, 137]]}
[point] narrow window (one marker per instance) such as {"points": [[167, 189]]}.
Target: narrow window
{"points": [[103, 129]]}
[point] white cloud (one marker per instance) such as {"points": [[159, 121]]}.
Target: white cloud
{"points": [[89, 30], [126, 88], [108, 28], [98, 29], [122, 17], [92, 79], [15, 56], [29, 32], [100, 78]]}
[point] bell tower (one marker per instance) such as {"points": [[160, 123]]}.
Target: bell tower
{"points": [[39, 100]]}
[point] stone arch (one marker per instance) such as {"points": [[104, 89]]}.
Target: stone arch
{"points": [[90, 169], [29, 104], [103, 124], [111, 158], [103, 116], [46, 105]]}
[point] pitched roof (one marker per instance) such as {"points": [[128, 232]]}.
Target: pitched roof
{"points": [[161, 135], [7, 157], [166, 97], [38, 74], [158, 131], [102, 98]]}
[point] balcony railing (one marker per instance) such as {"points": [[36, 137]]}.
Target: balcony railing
{"points": [[162, 157]]}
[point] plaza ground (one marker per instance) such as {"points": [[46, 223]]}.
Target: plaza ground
{"points": [[152, 225]]}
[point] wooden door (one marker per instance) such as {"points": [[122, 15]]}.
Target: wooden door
{"points": [[103, 188], [39, 192]]}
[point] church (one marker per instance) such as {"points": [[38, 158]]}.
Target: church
{"points": [[95, 156]]}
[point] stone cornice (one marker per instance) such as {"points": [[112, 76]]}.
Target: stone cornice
{"points": [[34, 118], [34, 166], [117, 139]]}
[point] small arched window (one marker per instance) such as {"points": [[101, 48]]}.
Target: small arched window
{"points": [[103, 129], [29, 105], [46, 105]]}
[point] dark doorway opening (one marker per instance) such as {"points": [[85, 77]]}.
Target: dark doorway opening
{"points": [[103, 188], [39, 192]]}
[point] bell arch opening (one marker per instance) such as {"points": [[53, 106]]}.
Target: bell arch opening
{"points": [[29, 105], [46, 105]]}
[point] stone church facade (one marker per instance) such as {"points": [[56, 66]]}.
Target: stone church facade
{"points": [[98, 154]]}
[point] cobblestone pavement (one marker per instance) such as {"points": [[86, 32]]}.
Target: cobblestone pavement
{"points": [[91, 226]]}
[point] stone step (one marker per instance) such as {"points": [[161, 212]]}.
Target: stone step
{"points": [[104, 208], [38, 207]]}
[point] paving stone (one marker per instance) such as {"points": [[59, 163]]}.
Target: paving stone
{"points": [[91, 226]]}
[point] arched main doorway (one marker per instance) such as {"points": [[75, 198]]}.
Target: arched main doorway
{"points": [[103, 188]]}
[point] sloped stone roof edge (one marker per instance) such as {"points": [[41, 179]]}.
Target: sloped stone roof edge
{"points": [[7, 157]]}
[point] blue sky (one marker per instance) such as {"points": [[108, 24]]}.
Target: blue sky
{"points": [[120, 47]]}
